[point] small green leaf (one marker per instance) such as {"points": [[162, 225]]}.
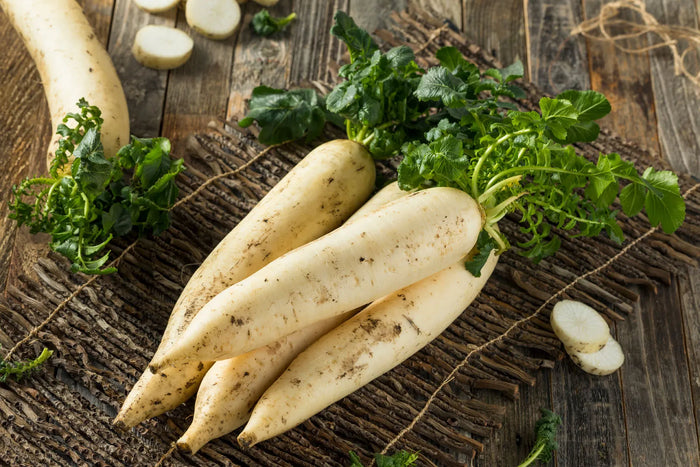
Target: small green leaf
{"points": [[590, 105], [484, 245], [438, 84], [358, 41], [285, 115], [664, 204], [265, 24]]}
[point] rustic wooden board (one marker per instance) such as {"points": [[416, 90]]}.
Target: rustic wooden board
{"points": [[305, 59]]}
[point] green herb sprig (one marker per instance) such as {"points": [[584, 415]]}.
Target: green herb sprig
{"points": [[399, 459], [98, 198], [265, 24], [22, 369], [545, 442]]}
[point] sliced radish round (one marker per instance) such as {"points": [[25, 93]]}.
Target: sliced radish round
{"points": [[579, 327], [156, 6], [603, 362], [215, 19], [162, 47]]}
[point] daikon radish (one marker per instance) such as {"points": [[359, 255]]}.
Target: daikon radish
{"points": [[332, 181], [390, 248], [371, 343]]}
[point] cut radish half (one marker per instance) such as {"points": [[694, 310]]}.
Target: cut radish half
{"points": [[603, 362], [215, 19], [162, 47], [579, 327], [156, 6]]}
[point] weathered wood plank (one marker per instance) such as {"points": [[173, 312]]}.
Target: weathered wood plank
{"points": [[593, 420], [677, 99], [689, 291], [497, 26], [657, 397], [259, 60], [313, 47], [510, 444], [626, 82], [197, 91], [144, 87], [557, 61]]}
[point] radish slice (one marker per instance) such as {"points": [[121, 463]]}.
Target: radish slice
{"points": [[156, 6], [162, 47], [215, 19], [603, 362], [579, 327]]}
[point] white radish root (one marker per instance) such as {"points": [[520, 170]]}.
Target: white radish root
{"points": [[156, 6], [214, 19], [332, 181], [231, 387], [579, 327], [73, 64], [162, 47], [371, 343], [603, 362], [390, 248]]}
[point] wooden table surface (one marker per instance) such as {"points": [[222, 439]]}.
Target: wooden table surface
{"points": [[644, 415]]}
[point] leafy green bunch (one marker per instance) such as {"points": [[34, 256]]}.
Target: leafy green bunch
{"points": [[22, 369], [375, 103], [510, 160], [98, 198]]}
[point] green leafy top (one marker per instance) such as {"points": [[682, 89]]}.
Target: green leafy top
{"points": [[399, 459], [510, 160], [98, 198], [22, 369], [265, 24], [545, 442], [375, 103]]}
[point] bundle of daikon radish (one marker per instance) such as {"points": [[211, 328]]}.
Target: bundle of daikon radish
{"points": [[292, 310]]}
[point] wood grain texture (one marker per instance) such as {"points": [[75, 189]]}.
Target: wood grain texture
{"points": [[197, 91], [144, 87], [315, 51], [626, 82], [657, 396], [259, 60], [689, 291], [593, 419], [557, 61], [677, 99], [497, 26], [512, 442]]}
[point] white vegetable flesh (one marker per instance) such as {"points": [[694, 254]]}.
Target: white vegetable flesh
{"points": [[603, 362], [331, 182], [214, 19], [162, 47], [579, 327], [231, 387], [390, 248], [156, 6], [369, 344], [72, 63]]}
